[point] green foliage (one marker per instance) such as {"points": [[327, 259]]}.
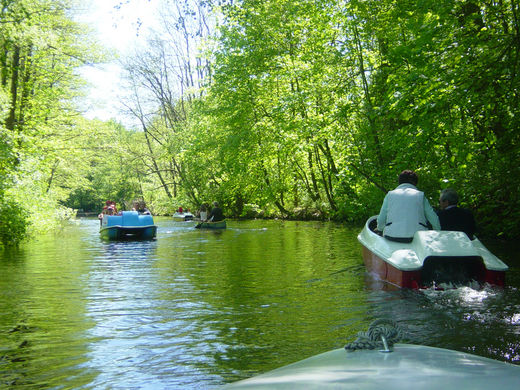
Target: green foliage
{"points": [[13, 220], [330, 101], [299, 109], [313, 108], [104, 167], [41, 143], [43, 209]]}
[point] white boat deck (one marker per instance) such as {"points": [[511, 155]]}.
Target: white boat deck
{"points": [[427, 243], [407, 367]]}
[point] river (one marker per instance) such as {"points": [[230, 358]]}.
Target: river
{"points": [[196, 309]]}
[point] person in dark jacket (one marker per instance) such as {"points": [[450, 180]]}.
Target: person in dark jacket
{"points": [[216, 213], [453, 217]]}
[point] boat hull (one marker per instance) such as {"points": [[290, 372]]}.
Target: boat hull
{"points": [[432, 258], [129, 233], [407, 367], [387, 272], [211, 225]]}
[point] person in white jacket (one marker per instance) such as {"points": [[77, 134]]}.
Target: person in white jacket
{"points": [[406, 210]]}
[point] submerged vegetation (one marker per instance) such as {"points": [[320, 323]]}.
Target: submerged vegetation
{"points": [[286, 108]]}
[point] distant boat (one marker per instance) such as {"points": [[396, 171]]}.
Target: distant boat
{"points": [[432, 258], [130, 225], [408, 366], [181, 217], [212, 225]]}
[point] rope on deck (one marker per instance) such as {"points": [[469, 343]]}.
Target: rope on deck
{"points": [[379, 331]]}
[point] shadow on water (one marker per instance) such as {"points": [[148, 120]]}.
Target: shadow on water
{"points": [[200, 308]]}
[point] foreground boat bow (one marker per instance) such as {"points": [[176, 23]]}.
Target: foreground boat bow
{"points": [[402, 366], [407, 367]]}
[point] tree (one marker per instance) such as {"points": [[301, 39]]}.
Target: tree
{"points": [[41, 48]]}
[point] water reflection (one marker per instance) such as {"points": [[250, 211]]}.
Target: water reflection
{"points": [[199, 308], [42, 313]]}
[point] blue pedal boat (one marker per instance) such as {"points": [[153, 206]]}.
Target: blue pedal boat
{"points": [[130, 225]]}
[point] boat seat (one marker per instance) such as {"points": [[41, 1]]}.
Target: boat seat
{"points": [[372, 225], [130, 218]]}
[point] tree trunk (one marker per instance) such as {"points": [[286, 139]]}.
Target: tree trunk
{"points": [[154, 162], [15, 65]]}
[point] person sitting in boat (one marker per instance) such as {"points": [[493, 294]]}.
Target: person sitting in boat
{"points": [[406, 210], [216, 213], [140, 207], [203, 212], [109, 209], [180, 210], [453, 217]]}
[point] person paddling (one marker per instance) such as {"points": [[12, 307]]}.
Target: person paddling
{"points": [[216, 213]]}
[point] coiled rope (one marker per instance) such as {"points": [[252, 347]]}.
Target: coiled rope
{"points": [[381, 333]]}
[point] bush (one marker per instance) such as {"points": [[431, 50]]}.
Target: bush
{"points": [[13, 222], [251, 211]]}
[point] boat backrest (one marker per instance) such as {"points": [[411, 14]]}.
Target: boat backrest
{"points": [[433, 243], [133, 218], [112, 220], [130, 218], [145, 220], [127, 218]]}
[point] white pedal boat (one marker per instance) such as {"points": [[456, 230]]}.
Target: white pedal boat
{"points": [[182, 217], [432, 258]]}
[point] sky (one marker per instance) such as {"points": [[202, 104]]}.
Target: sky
{"points": [[118, 29]]}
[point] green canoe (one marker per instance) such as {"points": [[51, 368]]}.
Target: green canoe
{"points": [[211, 225]]}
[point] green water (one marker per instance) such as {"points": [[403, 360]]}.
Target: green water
{"points": [[197, 309]]}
